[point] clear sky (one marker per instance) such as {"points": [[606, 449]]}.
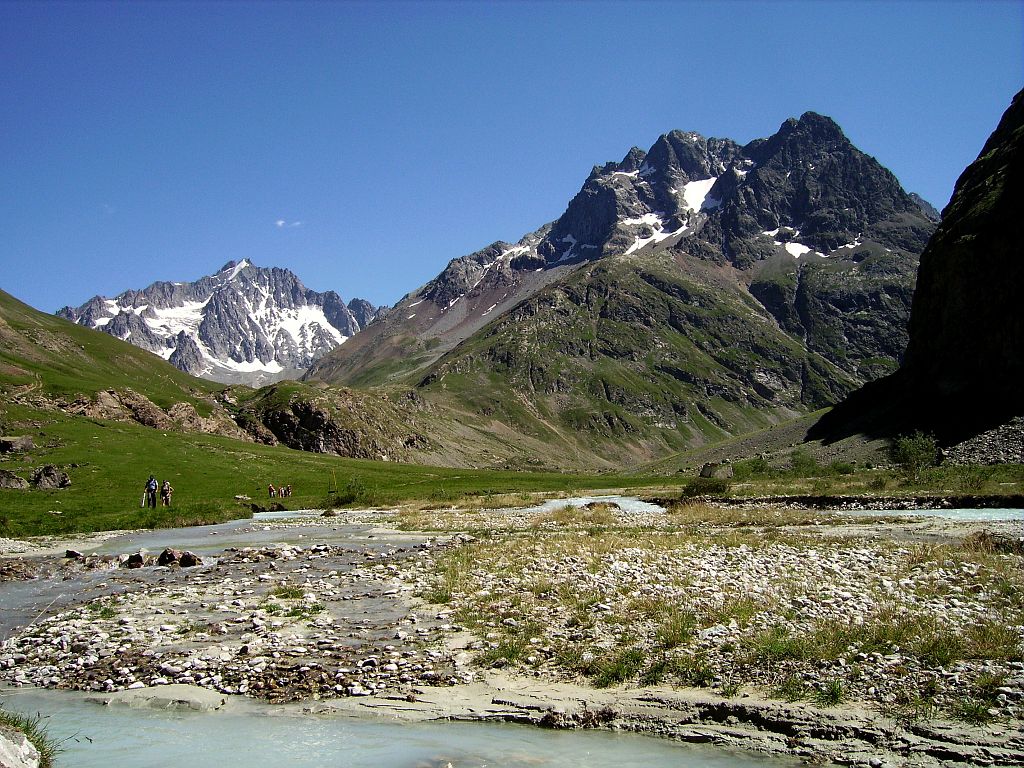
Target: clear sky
{"points": [[365, 144]]}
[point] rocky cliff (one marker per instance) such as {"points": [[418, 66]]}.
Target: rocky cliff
{"points": [[963, 367]]}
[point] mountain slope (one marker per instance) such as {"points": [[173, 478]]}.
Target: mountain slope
{"points": [[696, 289], [244, 324], [963, 367]]}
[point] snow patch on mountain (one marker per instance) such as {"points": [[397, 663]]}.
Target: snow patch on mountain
{"points": [[696, 194]]}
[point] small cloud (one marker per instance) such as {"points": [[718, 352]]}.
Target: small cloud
{"points": [[283, 224]]}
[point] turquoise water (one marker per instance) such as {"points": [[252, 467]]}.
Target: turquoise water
{"points": [[261, 736]]}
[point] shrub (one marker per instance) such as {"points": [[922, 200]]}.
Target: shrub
{"points": [[706, 486], [878, 483], [755, 467], [803, 464], [913, 454]]}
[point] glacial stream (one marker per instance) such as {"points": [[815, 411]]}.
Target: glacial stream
{"points": [[260, 735], [263, 736]]}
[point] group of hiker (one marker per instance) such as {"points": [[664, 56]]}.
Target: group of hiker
{"points": [[152, 486], [165, 490]]}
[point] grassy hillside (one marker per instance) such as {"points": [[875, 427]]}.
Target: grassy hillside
{"points": [[47, 365], [47, 355], [635, 357]]}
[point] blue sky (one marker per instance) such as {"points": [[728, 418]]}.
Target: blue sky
{"points": [[364, 145]]}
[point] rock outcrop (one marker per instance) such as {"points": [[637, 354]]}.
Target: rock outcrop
{"points": [[963, 368]]}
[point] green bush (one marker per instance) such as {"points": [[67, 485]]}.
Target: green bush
{"points": [[913, 454], [749, 468], [706, 486], [803, 464]]}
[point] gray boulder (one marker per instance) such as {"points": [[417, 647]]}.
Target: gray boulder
{"points": [[12, 481], [16, 751], [50, 477], [16, 444]]}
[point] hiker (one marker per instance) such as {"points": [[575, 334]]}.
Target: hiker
{"points": [[288, 491], [165, 493], [151, 486], [273, 491]]}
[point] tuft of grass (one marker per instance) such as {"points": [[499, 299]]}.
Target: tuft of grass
{"points": [[972, 711], [779, 644], [940, 648], [993, 640], [790, 688], [675, 629], [617, 667], [35, 729], [286, 592], [509, 650], [831, 694], [452, 571]]}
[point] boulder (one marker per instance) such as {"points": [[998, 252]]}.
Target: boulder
{"points": [[168, 556], [189, 560], [50, 477], [721, 471], [16, 444], [16, 751], [134, 560], [12, 481]]}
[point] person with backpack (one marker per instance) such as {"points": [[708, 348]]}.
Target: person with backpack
{"points": [[151, 486]]}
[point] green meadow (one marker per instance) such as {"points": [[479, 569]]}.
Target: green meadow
{"points": [[108, 463]]}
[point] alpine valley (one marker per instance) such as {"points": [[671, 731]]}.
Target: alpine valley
{"points": [[688, 294], [696, 291], [245, 324]]}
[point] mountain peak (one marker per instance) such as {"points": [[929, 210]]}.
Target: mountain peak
{"points": [[260, 327], [232, 268]]}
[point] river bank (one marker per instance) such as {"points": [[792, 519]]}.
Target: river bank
{"points": [[701, 625]]}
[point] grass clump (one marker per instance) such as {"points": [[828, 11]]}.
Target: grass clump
{"points": [[831, 694], [452, 570], [790, 688], [617, 667], [35, 730], [286, 592]]}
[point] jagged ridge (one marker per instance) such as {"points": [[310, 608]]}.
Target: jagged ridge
{"points": [[244, 324]]}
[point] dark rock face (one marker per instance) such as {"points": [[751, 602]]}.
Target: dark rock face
{"points": [[245, 324], [967, 327], [364, 313], [930, 211], [186, 355], [962, 372]]}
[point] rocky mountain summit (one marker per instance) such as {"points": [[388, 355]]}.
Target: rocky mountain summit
{"points": [[244, 324], [686, 289]]}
